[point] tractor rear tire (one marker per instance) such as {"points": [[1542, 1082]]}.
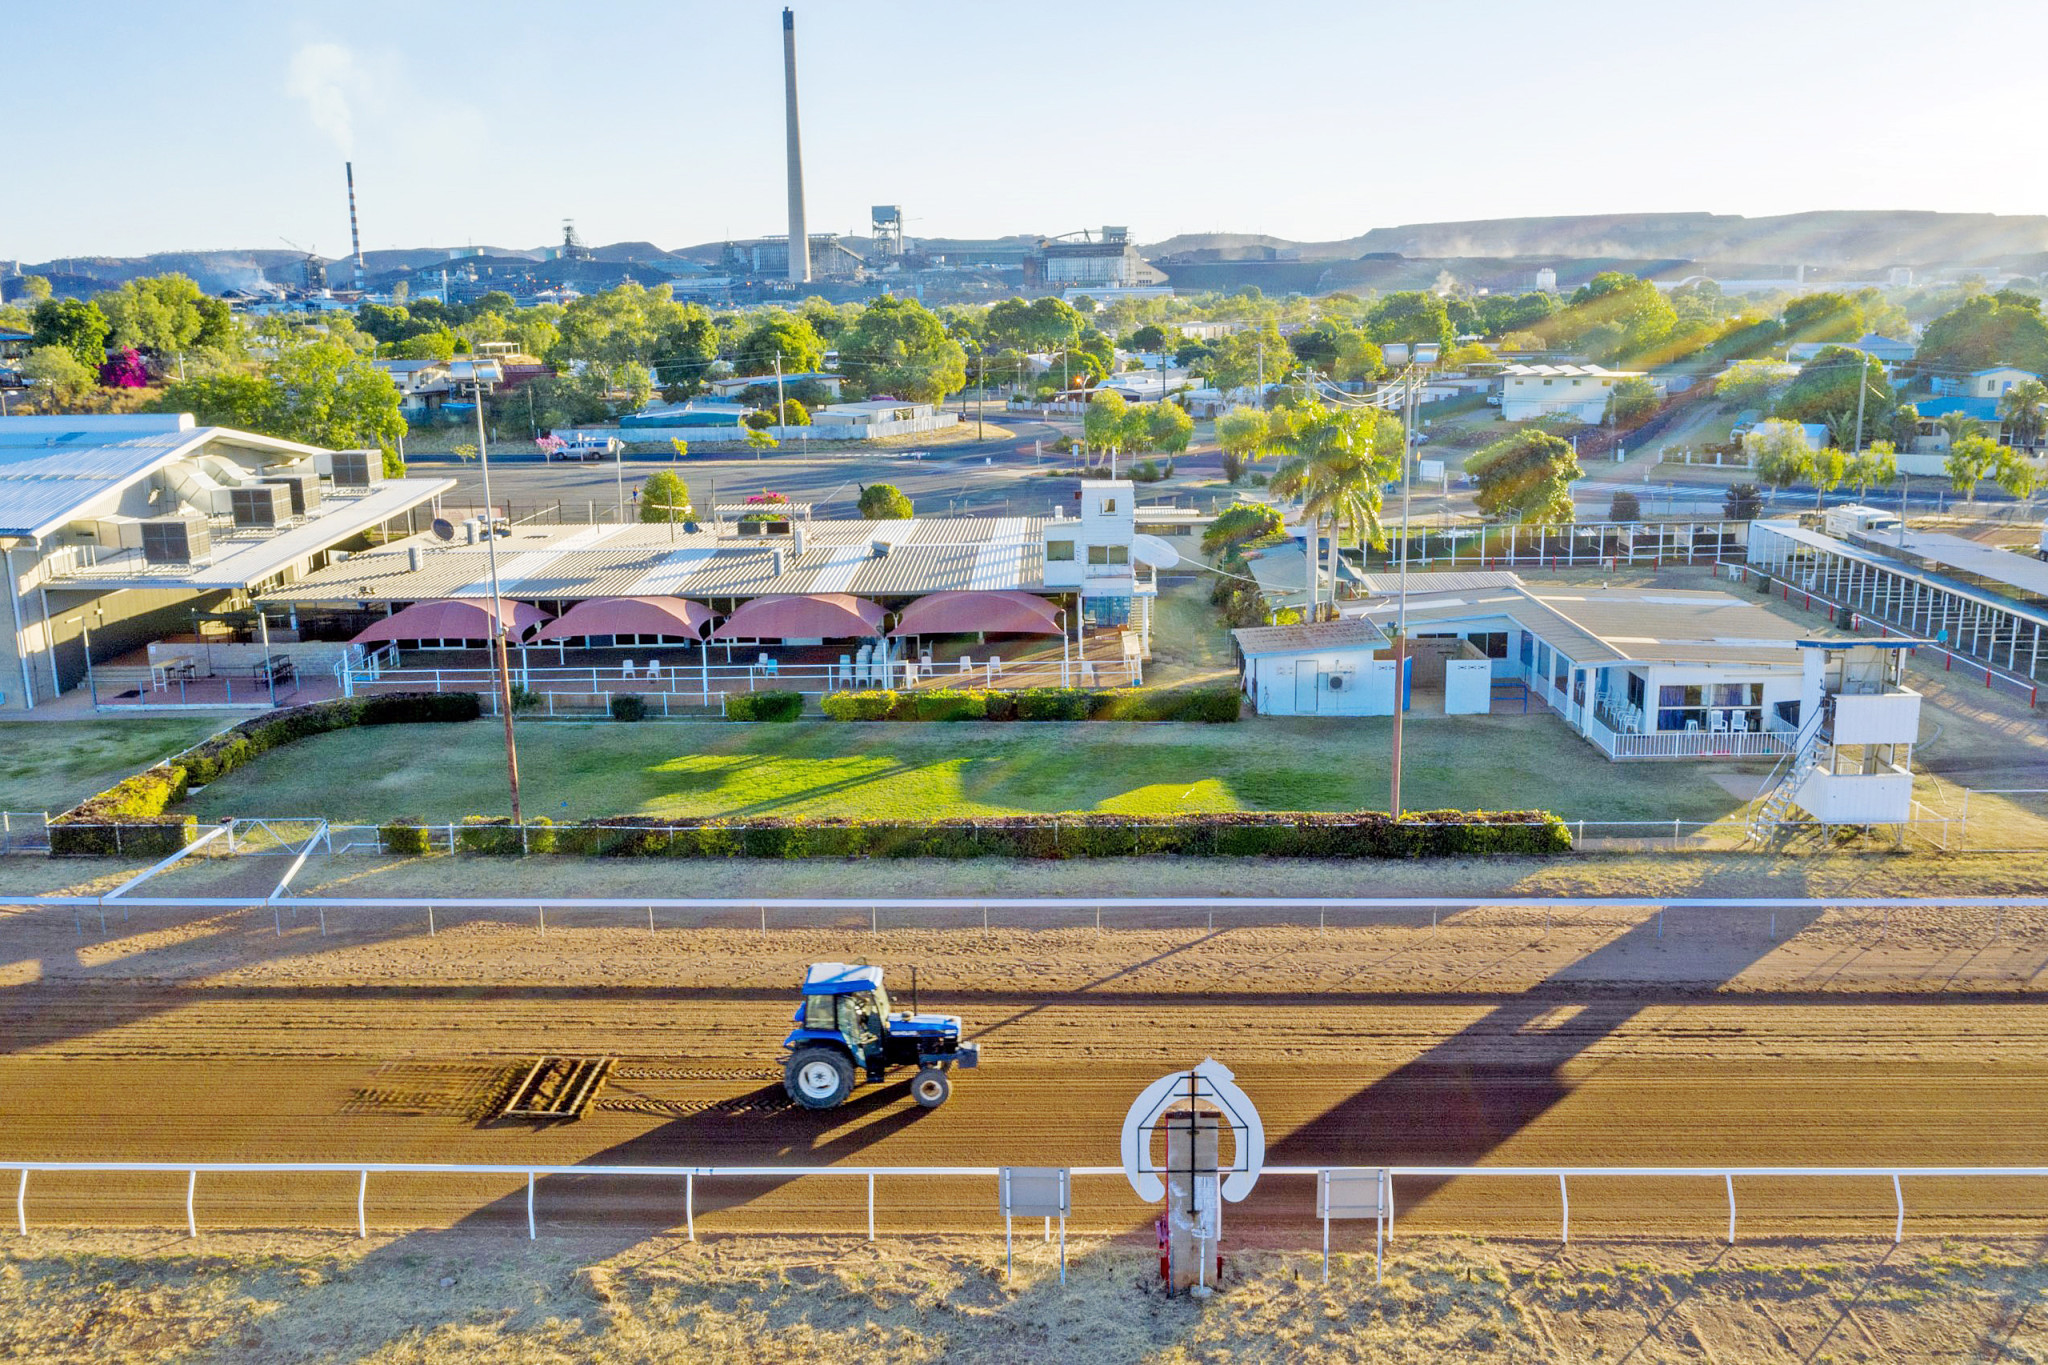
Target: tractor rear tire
{"points": [[818, 1077], [930, 1088]]}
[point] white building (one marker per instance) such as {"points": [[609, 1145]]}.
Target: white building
{"points": [[1986, 383], [1100, 554], [1578, 391]]}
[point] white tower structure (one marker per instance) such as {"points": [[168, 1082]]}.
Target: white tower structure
{"points": [[799, 238]]}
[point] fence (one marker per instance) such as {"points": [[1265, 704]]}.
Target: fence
{"points": [[689, 1175], [24, 831], [1603, 544]]}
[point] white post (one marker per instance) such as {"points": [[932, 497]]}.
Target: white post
{"points": [[1387, 1200], [690, 1204], [531, 1232], [362, 1190], [191, 1188], [1730, 1178], [1326, 1249], [871, 1206], [1565, 1196], [1898, 1228], [21, 1203]]}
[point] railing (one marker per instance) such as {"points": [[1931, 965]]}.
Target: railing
{"points": [[1685, 743], [24, 831], [689, 1175], [703, 686]]}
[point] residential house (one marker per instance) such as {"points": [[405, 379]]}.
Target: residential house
{"points": [[732, 386], [1578, 391], [1986, 383]]}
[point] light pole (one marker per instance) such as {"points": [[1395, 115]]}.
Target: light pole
{"points": [[483, 454], [1418, 360]]}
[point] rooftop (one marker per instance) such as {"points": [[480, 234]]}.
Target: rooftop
{"points": [[2017, 576], [1348, 633], [1570, 371]]}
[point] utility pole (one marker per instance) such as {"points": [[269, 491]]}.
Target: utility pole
{"points": [[1862, 387], [779, 408], [1401, 615], [981, 394], [1262, 371], [483, 455]]}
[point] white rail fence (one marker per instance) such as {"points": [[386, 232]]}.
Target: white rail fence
{"points": [[689, 1175]]}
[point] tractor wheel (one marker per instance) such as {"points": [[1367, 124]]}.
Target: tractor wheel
{"points": [[818, 1077], [930, 1088]]}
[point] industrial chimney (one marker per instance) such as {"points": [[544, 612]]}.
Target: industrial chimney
{"points": [[799, 238], [355, 238]]}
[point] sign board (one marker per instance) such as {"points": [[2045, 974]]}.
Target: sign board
{"points": [[1351, 1192], [1209, 1081], [1430, 470], [1035, 1191]]}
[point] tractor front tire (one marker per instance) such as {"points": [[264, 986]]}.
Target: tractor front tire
{"points": [[818, 1077], [930, 1088]]}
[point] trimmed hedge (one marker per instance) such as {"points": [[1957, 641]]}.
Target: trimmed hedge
{"points": [[1273, 834], [764, 705], [496, 834], [137, 804], [629, 706], [1209, 705], [403, 836]]}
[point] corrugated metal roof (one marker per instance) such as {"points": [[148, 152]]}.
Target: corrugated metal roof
{"points": [[1381, 584], [1352, 632], [925, 554]]}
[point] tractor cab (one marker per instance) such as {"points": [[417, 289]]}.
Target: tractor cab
{"points": [[846, 1032]]}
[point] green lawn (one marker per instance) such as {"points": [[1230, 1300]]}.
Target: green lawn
{"points": [[53, 765], [893, 771]]}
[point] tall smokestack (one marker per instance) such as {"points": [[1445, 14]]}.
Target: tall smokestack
{"points": [[799, 239], [355, 238]]}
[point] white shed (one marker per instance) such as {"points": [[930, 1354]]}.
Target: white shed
{"points": [[1324, 668]]}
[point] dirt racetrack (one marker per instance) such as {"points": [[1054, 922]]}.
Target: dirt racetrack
{"points": [[1501, 1038]]}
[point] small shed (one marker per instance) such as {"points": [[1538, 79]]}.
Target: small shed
{"points": [[1321, 668]]}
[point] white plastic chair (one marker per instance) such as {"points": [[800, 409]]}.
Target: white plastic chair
{"points": [[1692, 725], [628, 667], [966, 664], [845, 673], [1087, 673], [995, 668], [1741, 722], [1717, 722]]}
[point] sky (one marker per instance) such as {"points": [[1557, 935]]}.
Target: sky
{"points": [[211, 124]]}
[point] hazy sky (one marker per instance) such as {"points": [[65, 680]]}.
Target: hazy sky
{"points": [[183, 124]]}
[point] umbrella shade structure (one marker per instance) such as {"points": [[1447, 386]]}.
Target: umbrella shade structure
{"points": [[997, 613], [803, 616], [453, 619], [629, 616]]}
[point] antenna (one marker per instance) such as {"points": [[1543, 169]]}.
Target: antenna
{"points": [[355, 237]]}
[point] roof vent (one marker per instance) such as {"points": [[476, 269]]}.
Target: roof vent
{"points": [[776, 562], [796, 538], [415, 558], [879, 549]]}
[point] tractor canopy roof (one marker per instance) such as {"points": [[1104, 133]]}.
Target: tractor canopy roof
{"points": [[839, 978]]}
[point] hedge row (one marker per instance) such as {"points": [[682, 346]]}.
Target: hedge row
{"points": [[1207, 704], [1421, 834], [763, 705], [138, 804]]}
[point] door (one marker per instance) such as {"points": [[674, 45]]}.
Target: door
{"points": [[1308, 687]]}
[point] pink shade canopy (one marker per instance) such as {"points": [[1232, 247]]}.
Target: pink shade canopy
{"points": [[453, 619], [1000, 613], [802, 616], [629, 616]]}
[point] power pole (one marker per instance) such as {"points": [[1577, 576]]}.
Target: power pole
{"points": [[483, 455], [1401, 616], [981, 394], [779, 409], [1862, 387]]}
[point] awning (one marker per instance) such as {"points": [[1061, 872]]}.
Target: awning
{"points": [[803, 616], [629, 616], [999, 613], [456, 619]]}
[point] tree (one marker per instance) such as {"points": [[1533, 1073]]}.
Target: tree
{"points": [[1527, 478], [78, 327], [1631, 401], [1969, 460], [665, 498], [1624, 506], [1957, 425], [1168, 427], [61, 380], [1105, 424], [885, 502], [1827, 385], [779, 333], [1779, 453], [1754, 383], [1242, 356], [1239, 432], [1328, 459], [1742, 502], [1615, 316], [2015, 473], [161, 314], [899, 347], [1150, 337], [2005, 328], [1825, 469], [1411, 317], [1823, 316], [1046, 324], [35, 288], [760, 442], [1877, 467], [2021, 410], [314, 389]]}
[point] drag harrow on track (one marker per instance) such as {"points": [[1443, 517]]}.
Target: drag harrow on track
{"points": [[557, 1088]]}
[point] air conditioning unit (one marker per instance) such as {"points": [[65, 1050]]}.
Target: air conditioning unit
{"points": [[175, 540], [357, 468], [265, 506], [304, 488], [1336, 682]]}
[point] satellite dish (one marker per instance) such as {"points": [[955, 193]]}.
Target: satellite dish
{"points": [[443, 529], [1154, 552]]}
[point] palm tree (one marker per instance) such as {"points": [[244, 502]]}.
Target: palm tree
{"points": [[1958, 425], [1328, 460], [2020, 410]]}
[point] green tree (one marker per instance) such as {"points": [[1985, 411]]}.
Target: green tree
{"points": [[35, 288], [314, 390], [1240, 432], [161, 314], [1742, 502], [1168, 427], [1631, 401], [1822, 316], [885, 502], [60, 381], [900, 347], [1825, 469], [2005, 328], [78, 327], [1755, 383], [438, 344], [1616, 317], [1957, 425], [778, 333], [1970, 459], [2014, 472], [1876, 467], [1410, 317], [1242, 356], [1328, 458], [1106, 423], [1527, 478], [790, 413], [1779, 453], [1500, 314], [1827, 385], [1045, 324], [2020, 409], [760, 442], [665, 498]]}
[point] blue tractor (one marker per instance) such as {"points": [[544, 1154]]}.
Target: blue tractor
{"points": [[844, 1032]]}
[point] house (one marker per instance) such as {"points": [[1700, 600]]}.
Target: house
{"points": [[732, 386], [117, 530], [1322, 668], [424, 385], [1100, 555], [1886, 351], [1987, 383], [1577, 391], [1931, 438]]}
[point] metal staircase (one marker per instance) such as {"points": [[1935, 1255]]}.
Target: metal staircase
{"points": [[1777, 798]]}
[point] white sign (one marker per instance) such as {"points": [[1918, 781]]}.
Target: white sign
{"points": [[1211, 1081]]}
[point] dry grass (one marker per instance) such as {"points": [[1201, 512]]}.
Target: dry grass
{"points": [[432, 1299]]}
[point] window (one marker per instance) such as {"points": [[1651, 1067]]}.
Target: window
{"points": [[1547, 383], [1564, 671], [1109, 507], [1059, 551], [1109, 554]]}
